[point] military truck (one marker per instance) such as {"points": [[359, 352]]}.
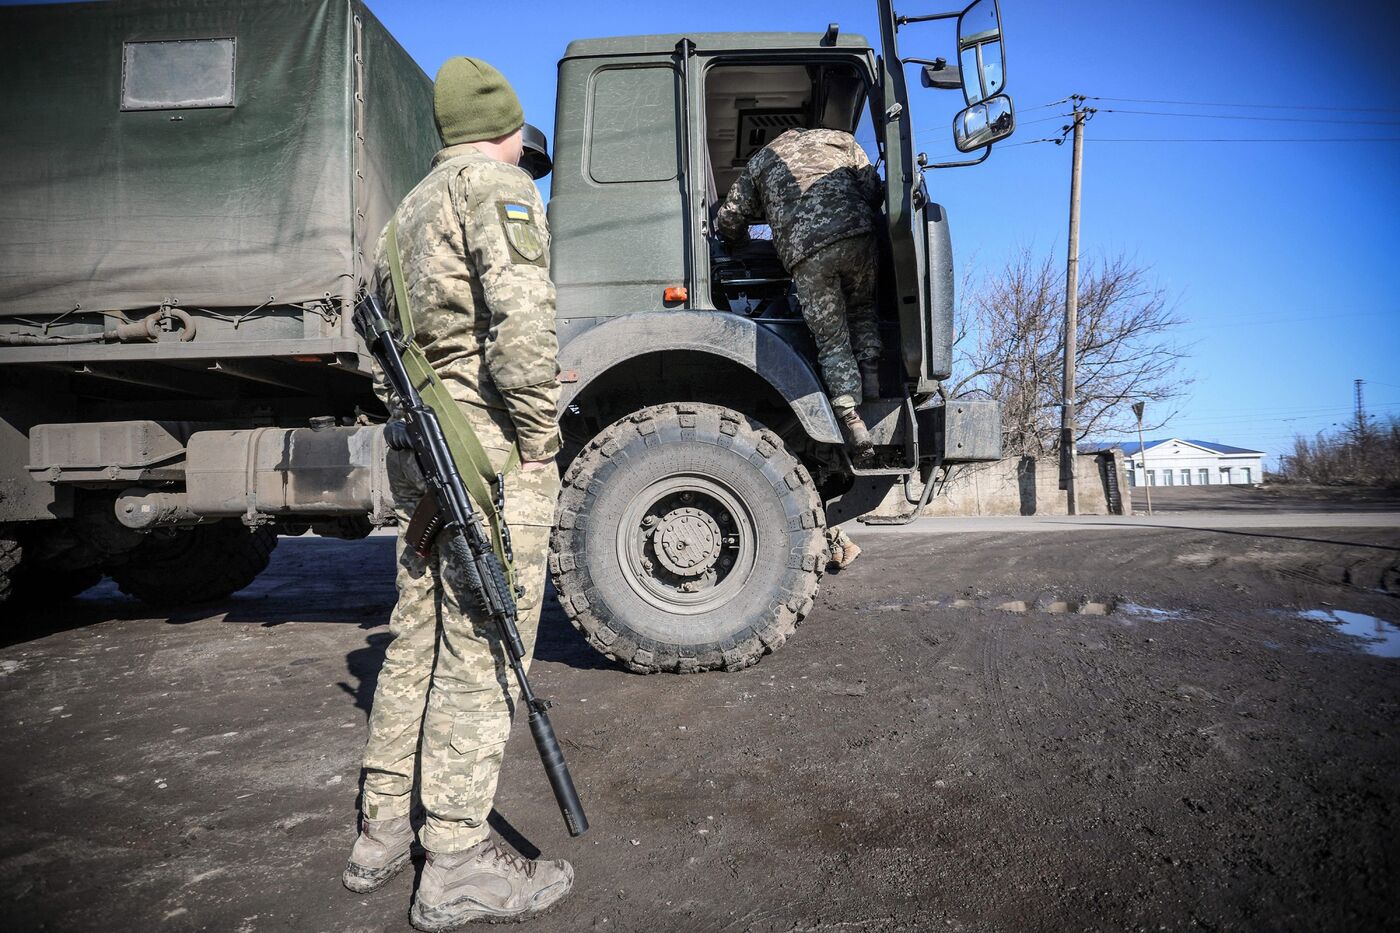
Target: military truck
{"points": [[181, 383], [188, 192]]}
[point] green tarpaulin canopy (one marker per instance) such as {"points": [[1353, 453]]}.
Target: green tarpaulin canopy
{"points": [[218, 154]]}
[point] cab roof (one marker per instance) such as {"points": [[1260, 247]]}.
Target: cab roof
{"points": [[708, 42]]}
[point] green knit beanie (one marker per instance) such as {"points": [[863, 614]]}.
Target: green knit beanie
{"points": [[473, 101]]}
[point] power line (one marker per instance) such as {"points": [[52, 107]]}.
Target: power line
{"points": [[1208, 116], [1240, 422], [1255, 139], [1019, 123], [1329, 406], [1272, 428], [1254, 322], [1053, 103], [1208, 103], [1236, 116], [1057, 116], [1302, 415], [1288, 410], [1271, 410]]}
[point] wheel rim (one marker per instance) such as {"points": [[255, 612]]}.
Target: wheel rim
{"points": [[687, 543]]}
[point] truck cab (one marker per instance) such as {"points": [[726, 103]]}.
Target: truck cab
{"points": [[669, 338]]}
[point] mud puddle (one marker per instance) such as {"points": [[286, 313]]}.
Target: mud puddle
{"points": [[1050, 604], [1377, 636]]}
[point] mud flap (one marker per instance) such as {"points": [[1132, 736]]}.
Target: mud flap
{"points": [[961, 431]]}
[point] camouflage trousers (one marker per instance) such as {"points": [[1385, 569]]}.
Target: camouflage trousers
{"points": [[443, 705], [836, 286]]}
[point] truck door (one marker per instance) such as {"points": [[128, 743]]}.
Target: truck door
{"points": [[919, 239], [902, 179], [616, 202]]}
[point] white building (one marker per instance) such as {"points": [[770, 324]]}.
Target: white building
{"points": [[1176, 462]]}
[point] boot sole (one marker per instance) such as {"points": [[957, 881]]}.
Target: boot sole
{"points": [[435, 925], [362, 885]]}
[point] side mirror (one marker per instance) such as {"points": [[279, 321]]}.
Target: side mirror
{"points": [[984, 123], [980, 54], [941, 75], [534, 156]]}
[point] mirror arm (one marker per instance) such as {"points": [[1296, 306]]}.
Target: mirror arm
{"points": [[986, 151], [937, 70], [926, 18]]}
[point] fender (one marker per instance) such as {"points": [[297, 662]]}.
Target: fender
{"points": [[719, 333]]}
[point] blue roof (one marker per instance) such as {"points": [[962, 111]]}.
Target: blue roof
{"points": [[1224, 448], [1132, 448]]}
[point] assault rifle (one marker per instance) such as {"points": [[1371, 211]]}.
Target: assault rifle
{"points": [[458, 530]]}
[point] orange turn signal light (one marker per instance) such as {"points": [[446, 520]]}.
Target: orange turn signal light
{"points": [[676, 293]]}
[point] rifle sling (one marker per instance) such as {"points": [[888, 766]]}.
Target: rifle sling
{"points": [[471, 458]]}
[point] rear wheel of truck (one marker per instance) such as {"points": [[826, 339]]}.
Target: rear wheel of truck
{"points": [[38, 585], [688, 539], [195, 565], [10, 554], [26, 581]]}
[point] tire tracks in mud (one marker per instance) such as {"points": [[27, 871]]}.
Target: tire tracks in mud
{"points": [[990, 648], [940, 650]]}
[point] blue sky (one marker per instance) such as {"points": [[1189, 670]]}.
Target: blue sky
{"points": [[1278, 253]]}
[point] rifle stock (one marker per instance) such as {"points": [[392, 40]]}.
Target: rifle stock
{"points": [[450, 520]]}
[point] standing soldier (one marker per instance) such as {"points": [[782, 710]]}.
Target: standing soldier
{"points": [[818, 191], [475, 266]]}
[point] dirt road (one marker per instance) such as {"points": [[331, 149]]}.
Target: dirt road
{"points": [[1201, 756]]}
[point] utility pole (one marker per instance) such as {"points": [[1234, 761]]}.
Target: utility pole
{"points": [[1068, 415], [1142, 452], [1360, 411]]}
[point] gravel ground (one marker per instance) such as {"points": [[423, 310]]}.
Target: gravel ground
{"points": [[1265, 498], [1113, 730]]}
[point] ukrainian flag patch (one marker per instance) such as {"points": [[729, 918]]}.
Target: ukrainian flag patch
{"points": [[527, 244]]}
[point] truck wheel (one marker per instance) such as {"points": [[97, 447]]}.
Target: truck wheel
{"points": [[196, 564], [28, 583], [10, 554], [40, 585], [688, 538]]}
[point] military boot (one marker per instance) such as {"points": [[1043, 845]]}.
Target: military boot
{"points": [[870, 379], [486, 882], [857, 437], [380, 853], [847, 556], [838, 556]]}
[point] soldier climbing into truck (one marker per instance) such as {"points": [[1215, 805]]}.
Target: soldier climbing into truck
{"points": [[818, 192]]}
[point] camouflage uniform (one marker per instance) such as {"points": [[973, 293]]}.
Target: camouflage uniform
{"points": [[818, 192], [474, 252]]}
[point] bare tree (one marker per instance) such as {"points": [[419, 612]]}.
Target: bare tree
{"points": [[1012, 349], [1365, 454]]}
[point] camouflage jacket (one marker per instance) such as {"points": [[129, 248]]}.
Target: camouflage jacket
{"points": [[813, 187], [474, 248]]}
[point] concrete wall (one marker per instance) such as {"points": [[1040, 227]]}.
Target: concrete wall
{"points": [[1019, 486]]}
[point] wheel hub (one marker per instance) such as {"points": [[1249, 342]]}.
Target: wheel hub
{"points": [[687, 541]]}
